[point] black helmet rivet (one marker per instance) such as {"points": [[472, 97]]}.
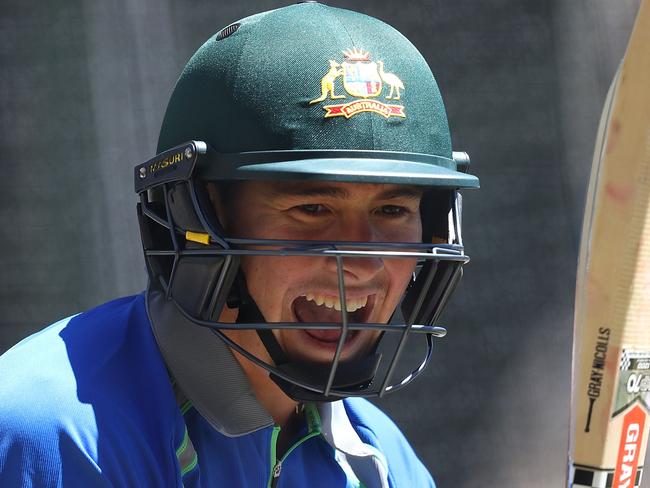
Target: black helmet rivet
{"points": [[189, 154], [143, 172]]}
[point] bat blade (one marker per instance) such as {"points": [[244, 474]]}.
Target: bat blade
{"points": [[610, 416]]}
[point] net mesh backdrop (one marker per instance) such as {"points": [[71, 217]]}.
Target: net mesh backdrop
{"points": [[84, 89]]}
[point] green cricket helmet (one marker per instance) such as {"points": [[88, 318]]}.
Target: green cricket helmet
{"points": [[305, 92]]}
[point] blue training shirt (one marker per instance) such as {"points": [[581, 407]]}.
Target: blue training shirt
{"points": [[88, 402]]}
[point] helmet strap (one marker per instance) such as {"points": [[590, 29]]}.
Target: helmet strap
{"points": [[272, 346], [249, 313]]}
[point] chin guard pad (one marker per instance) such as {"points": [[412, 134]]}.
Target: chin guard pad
{"points": [[350, 376]]}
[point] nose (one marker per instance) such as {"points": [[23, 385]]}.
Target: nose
{"points": [[357, 268]]}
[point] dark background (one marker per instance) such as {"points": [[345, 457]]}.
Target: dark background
{"points": [[83, 87]]}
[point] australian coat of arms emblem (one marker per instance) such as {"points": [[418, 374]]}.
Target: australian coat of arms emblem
{"points": [[363, 79]]}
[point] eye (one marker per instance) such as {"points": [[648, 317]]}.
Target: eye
{"points": [[311, 208], [393, 210]]}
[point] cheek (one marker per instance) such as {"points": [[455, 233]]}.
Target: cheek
{"points": [[401, 273], [270, 281], [405, 231], [263, 275]]}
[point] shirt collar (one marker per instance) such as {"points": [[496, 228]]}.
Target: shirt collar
{"points": [[364, 460]]}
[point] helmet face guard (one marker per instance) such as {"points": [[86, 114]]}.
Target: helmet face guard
{"points": [[196, 265]]}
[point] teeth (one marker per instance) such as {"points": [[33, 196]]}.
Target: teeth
{"points": [[352, 304], [361, 302]]}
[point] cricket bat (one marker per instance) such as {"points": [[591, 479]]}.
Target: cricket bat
{"points": [[610, 415]]}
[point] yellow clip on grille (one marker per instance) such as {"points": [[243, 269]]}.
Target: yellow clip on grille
{"points": [[199, 237]]}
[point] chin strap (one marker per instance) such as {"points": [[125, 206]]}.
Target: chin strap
{"points": [[249, 313], [352, 375]]}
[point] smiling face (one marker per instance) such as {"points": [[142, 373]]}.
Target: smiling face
{"points": [[305, 289]]}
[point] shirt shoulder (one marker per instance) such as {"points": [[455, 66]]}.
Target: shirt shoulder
{"points": [[87, 402], [377, 429]]}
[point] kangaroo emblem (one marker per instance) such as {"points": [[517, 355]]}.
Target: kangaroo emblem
{"points": [[392, 80], [362, 79], [327, 83]]}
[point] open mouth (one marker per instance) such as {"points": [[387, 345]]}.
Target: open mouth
{"points": [[315, 308]]}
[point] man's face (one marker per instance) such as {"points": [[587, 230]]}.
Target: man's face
{"points": [[305, 289]]}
